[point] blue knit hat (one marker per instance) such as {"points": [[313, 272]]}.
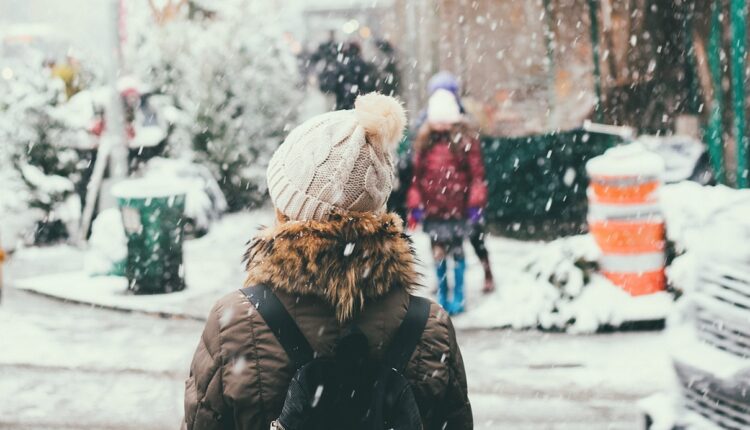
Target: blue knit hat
{"points": [[443, 81]]}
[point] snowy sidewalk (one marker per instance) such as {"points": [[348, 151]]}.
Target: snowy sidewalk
{"points": [[213, 268], [130, 370]]}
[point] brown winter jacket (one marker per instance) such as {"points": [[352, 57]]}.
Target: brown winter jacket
{"points": [[327, 274]]}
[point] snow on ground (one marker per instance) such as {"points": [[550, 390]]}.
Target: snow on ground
{"points": [[67, 366], [135, 364], [538, 284], [213, 267], [548, 285]]}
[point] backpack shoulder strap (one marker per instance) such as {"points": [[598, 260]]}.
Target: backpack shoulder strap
{"points": [[408, 334], [281, 324]]}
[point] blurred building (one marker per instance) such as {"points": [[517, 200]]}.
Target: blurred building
{"points": [[528, 66], [504, 52]]}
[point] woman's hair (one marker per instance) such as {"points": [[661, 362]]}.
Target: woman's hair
{"points": [[427, 137]]}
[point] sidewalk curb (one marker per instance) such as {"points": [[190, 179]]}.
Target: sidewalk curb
{"points": [[123, 309], [628, 327]]}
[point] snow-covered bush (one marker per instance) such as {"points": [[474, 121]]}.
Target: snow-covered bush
{"points": [[559, 288], [234, 79]]}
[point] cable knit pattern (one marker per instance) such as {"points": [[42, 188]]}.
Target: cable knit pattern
{"points": [[338, 161]]}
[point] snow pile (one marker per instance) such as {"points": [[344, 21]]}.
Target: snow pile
{"points": [[108, 245], [578, 299], [557, 288], [602, 303], [662, 409]]}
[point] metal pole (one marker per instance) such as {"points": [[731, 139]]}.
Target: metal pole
{"points": [[595, 48], [113, 148], [738, 22], [715, 130], [690, 63], [115, 129]]}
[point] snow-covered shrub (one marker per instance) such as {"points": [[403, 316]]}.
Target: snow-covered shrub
{"points": [[234, 79], [569, 294]]}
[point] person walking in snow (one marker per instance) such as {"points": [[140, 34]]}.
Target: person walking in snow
{"points": [[325, 60], [448, 190], [329, 295], [389, 78], [446, 81], [354, 76]]}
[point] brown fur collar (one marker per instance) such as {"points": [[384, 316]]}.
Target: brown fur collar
{"points": [[344, 260]]}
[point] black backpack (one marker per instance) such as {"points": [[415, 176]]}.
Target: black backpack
{"points": [[346, 391]]}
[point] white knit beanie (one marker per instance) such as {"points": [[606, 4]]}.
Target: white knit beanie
{"points": [[443, 107], [338, 161]]}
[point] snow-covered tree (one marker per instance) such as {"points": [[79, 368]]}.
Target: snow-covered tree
{"points": [[232, 76], [39, 161]]}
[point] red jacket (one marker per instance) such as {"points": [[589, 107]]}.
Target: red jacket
{"points": [[447, 181]]}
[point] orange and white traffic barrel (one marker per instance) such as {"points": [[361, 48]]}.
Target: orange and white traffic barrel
{"points": [[625, 218]]}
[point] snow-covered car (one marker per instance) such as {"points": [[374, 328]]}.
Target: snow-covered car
{"points": [[710, 331], [711, 346], [685, 158]]}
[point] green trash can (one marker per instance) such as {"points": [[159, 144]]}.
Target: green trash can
{"points": [[152, 215]]}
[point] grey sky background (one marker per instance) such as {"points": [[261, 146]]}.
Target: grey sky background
{"points": [[81, 23], [86, 26]]}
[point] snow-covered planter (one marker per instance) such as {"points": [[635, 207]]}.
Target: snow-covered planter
{"points": [[204, 200]]}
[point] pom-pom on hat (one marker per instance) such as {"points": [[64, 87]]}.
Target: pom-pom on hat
{"points": [[338, 161], [443, 108]]}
